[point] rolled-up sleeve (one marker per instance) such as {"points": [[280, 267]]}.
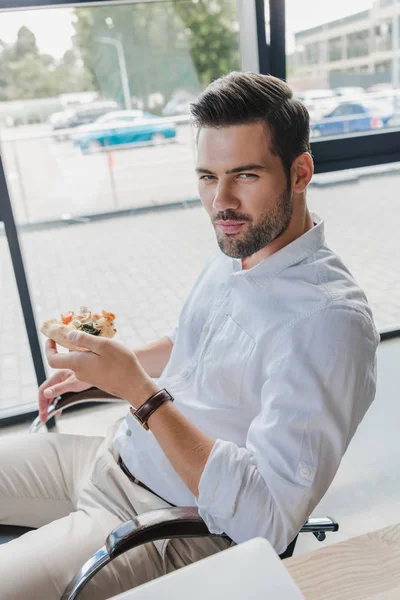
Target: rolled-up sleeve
{"points": [[315, 392], [172, 335]]}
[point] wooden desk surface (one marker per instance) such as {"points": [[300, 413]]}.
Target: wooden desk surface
{"points": [[362, 568]]}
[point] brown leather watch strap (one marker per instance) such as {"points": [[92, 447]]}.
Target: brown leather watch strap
{"points": [[144, 412]]}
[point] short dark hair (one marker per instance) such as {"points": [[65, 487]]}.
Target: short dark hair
{"points": [[241, 98]]}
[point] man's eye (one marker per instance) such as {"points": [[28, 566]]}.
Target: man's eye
{"points": [[247, 176], [207, 177]]}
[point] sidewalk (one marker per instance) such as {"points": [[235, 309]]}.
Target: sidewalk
{"points": [[142, 267]]}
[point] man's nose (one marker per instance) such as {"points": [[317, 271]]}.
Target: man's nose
{"points": [[224, 198]]}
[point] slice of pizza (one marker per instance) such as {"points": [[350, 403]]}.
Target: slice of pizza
{"points": [[83, 320]]}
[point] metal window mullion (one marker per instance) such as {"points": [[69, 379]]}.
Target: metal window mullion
{"points": [[277, 50], [7, 217]]}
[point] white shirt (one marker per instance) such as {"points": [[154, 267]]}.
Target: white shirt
{"points": [[277, 364]]}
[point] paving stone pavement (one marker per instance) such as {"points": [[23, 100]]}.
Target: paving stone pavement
{"points": [[142, 267]]}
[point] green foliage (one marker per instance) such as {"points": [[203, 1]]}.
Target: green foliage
{"points": [[169, 47], [212, 36], [26, 73]]}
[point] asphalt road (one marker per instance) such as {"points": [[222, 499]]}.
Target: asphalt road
{"points": [[48, 178]]}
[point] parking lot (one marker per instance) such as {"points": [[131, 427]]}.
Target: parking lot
{"points": [[49, 179]]}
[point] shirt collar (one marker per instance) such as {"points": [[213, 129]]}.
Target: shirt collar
{"points": [[289, 255]]}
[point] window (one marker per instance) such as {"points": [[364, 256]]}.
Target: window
{"points": [[335, 46], [94, 128], [358, 44], [344, 109], [383, 36], [312, 54], [98, 129], [382, 67], [355, 130]]}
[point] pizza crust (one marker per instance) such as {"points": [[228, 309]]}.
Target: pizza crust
{"points": [[58, 333]]}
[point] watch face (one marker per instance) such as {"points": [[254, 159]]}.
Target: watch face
{"points": [[134, 413]]}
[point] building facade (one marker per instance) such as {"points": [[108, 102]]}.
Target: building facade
{"points": [[363, 43]]}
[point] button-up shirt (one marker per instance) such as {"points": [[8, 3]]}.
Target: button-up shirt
{"points": [[277, 363]]}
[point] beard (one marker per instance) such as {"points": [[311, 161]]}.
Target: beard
{"points": [[258, 233]]}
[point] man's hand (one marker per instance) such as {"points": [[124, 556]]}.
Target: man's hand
{"points": [[107, 365], [60, 382]]}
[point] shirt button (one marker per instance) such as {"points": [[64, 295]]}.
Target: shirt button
{"points": [[206, 329], [129, 433], [185, 373], [305, 472]]}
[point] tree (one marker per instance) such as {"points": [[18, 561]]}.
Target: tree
{"points": [[212, 34], [26, 73], [70, 74], [168, 46], [4, 72], [25, 44]]}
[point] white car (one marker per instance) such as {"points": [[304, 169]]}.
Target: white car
{"points": [[318, 102], [115, 117]]}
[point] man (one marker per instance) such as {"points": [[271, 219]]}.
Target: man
{"points": [[272, 368]]}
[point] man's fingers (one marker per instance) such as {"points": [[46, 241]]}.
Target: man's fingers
{"points": [[50, 346], [56, 390], [59, 361], [86, 340]]}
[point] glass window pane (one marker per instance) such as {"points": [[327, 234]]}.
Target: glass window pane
{"points": [[94, 119], [94, 100], [351, 52], [17, 374], [361, 225]]}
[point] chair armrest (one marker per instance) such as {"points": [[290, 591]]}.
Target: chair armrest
{"points": [[181, 522], [93, 394], [157, 524], [164, 523], [319, 527]]}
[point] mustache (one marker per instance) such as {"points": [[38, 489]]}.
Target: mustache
{"points": [[230, 215]]}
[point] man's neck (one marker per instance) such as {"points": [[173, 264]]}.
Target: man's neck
{"points": [[298, 226]]}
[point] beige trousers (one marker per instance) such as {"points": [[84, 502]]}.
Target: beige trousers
{"points": [[72, 489]]}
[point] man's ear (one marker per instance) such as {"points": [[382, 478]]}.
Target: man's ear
{"points": [[302, 171]]}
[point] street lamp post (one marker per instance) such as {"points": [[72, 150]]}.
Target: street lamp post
{"points": [[117, 43]]}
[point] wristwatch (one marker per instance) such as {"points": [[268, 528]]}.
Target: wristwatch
{"points": [[144, 412]]}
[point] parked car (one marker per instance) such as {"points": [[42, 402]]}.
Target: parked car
{"points": [[318, 102], [59, 120], [88, 113], [124, 127], [125, 116], [349, 91], [79, 115], [177, 106], [394, 121], [350, 117]]}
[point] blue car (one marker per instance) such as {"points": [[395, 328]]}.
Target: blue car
{"points": [[123, 127], [350, 117]]}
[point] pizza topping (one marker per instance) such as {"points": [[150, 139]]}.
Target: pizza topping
{"points": [[93, 323], [88, 328], [66, 318]]}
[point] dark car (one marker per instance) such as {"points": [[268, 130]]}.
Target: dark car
{"points": [[350, 117], [88, 113]]}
